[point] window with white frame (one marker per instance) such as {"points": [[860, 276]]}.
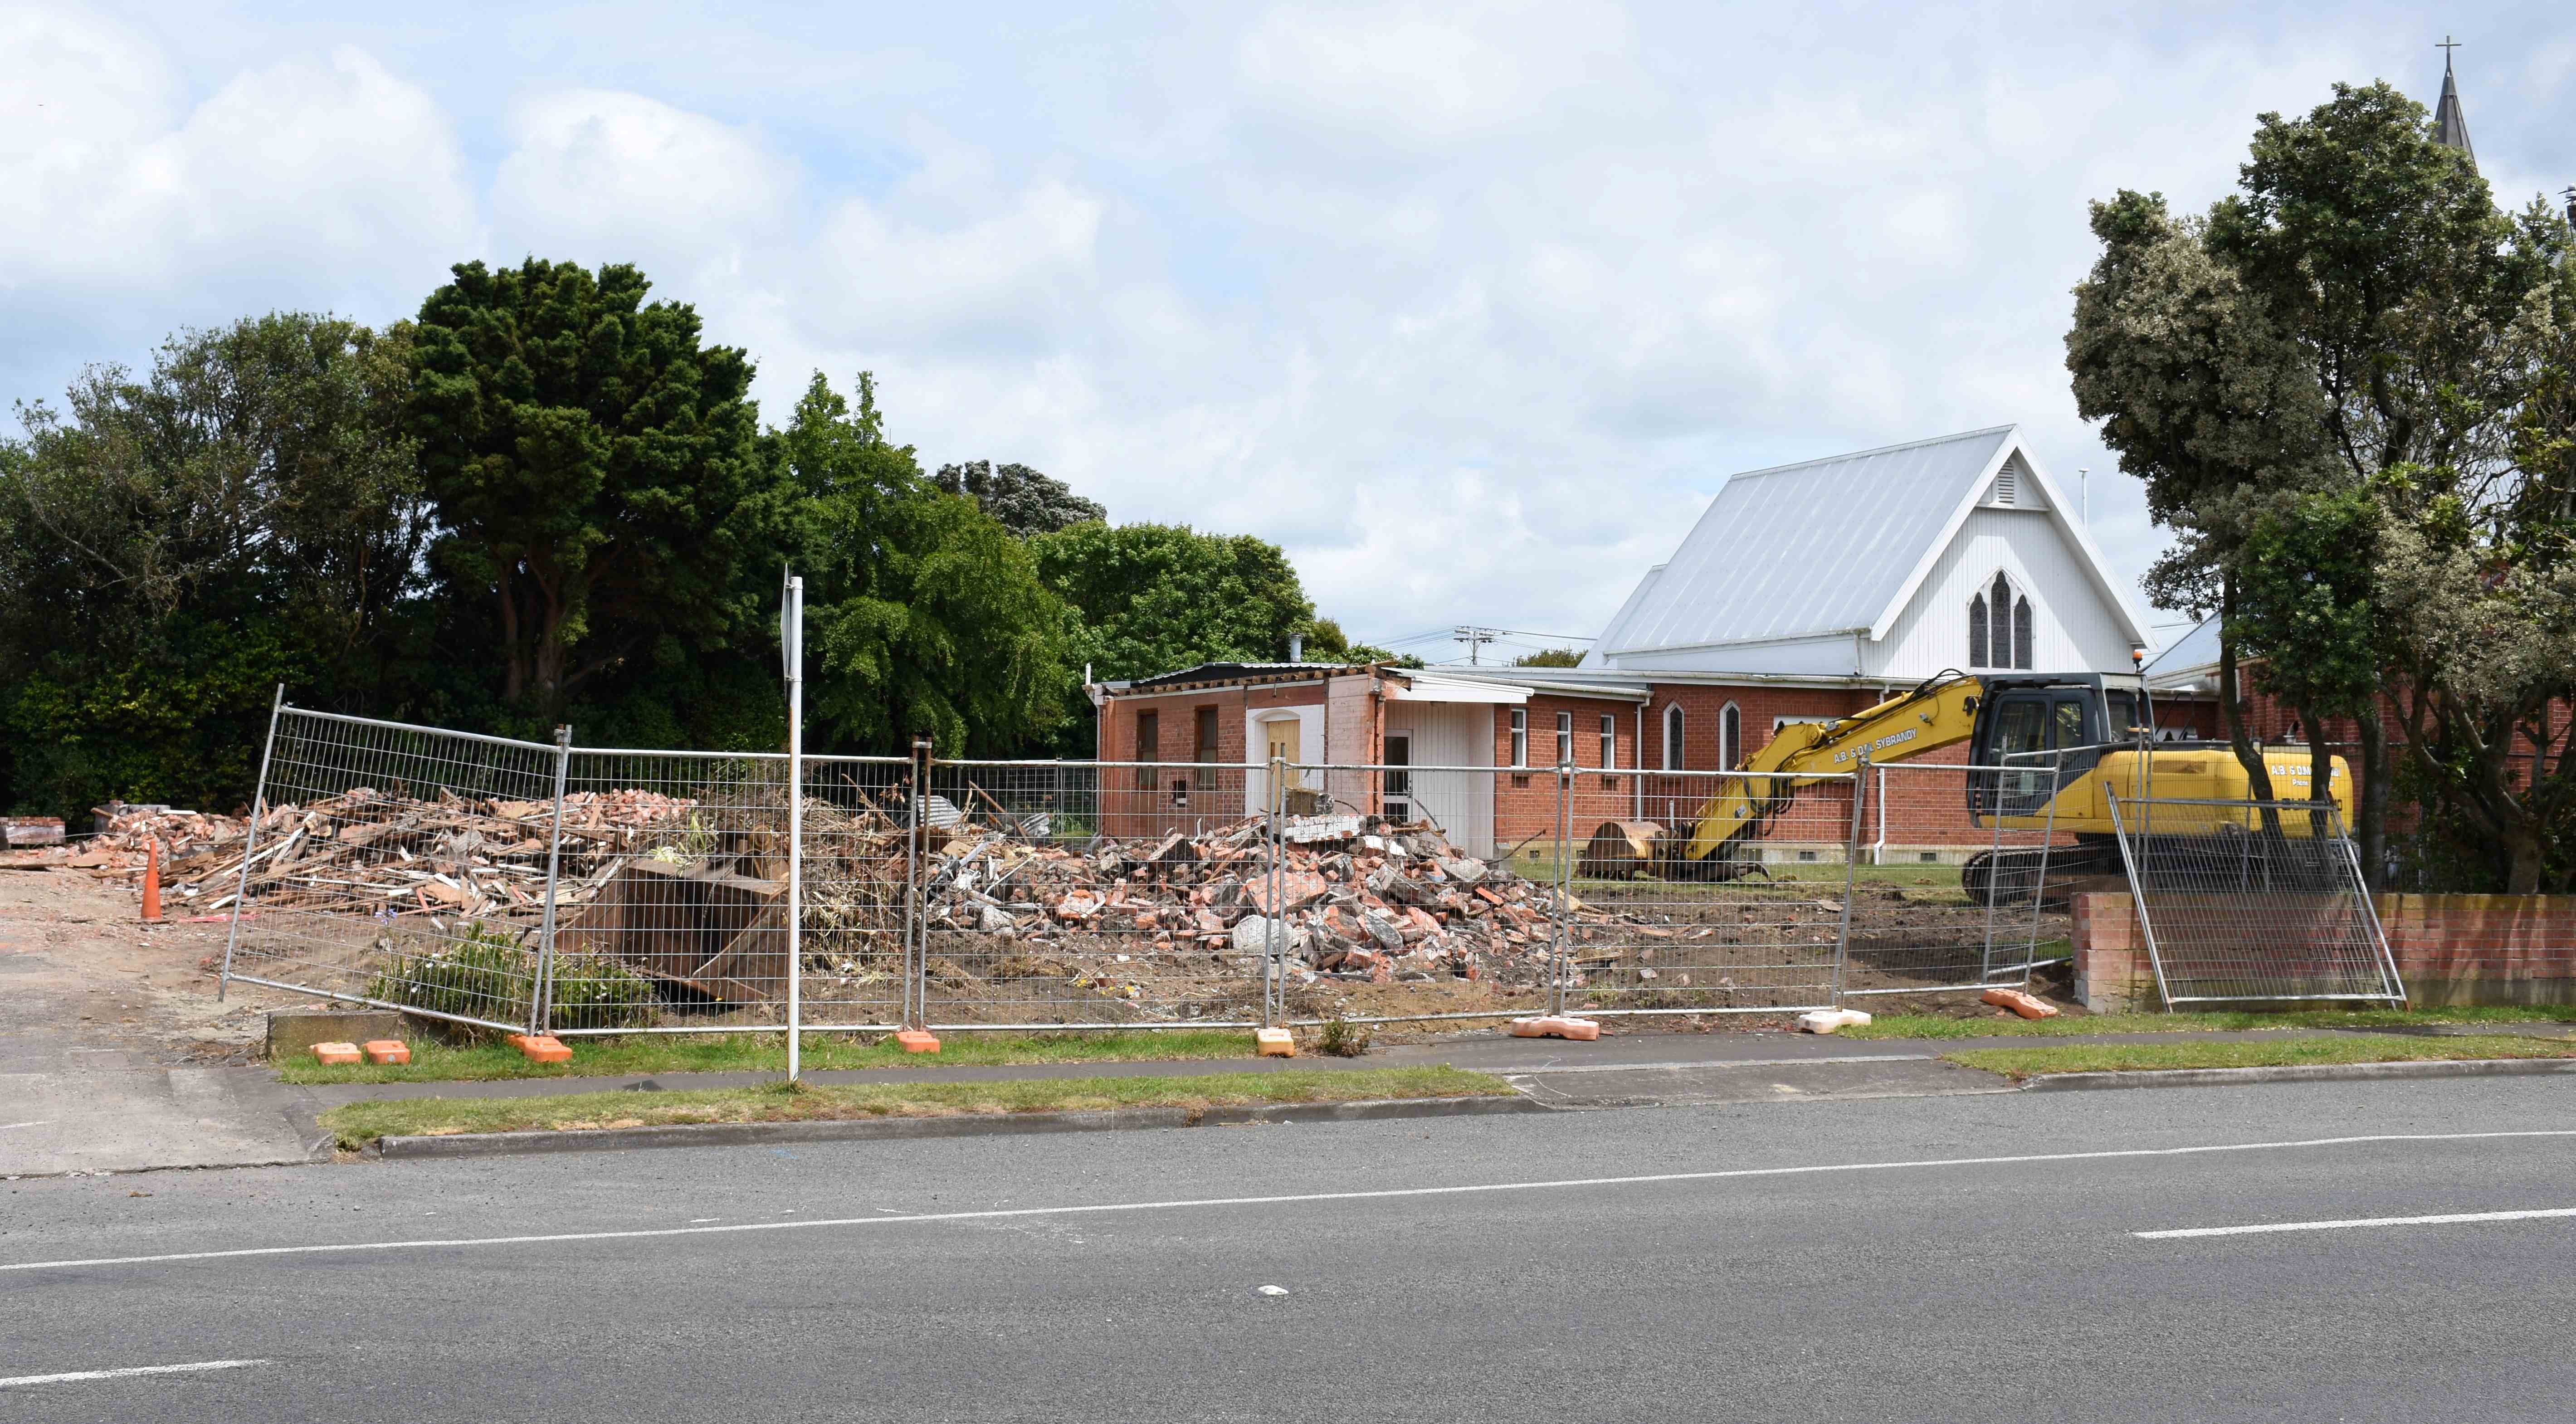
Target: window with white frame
{"points": [[1564, 738], [1730, 738], [1520, 736], [1673, 737], [1609, 742]]}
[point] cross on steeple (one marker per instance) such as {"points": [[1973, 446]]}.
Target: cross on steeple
{"points": [[2450, 125]]}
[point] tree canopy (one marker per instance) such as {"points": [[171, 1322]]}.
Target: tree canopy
{"points": [[594, 467], [1025, 501], [550, 498], [2345, 389]]}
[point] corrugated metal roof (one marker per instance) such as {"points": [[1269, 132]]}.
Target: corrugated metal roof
{"points": [[1815, 548]]}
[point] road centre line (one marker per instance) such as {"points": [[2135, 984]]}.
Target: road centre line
{"points": [[1387, 1193], [2450, 1218], [131, 1371]]}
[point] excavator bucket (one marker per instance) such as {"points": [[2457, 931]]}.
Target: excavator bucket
{"points": [[1620, 850]]}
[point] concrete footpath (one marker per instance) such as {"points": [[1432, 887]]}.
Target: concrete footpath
{"points": [[109, 1117]]}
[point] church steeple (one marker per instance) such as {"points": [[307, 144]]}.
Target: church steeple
{"points": [[2450, 126]]}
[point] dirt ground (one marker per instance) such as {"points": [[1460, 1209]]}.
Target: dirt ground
{"points": [[81, 977]]}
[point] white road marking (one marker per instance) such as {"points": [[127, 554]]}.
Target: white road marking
{"points": [[2451, 1218], [40, 1122], [78, 1375], [1389, 1193]]}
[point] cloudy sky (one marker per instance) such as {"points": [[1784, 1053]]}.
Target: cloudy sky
{"points": [[1470, 307]]}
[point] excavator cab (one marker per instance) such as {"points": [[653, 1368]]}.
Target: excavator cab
{"points": [[2039, 734]]}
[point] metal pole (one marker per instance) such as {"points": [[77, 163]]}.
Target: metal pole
{"points": [[916, 924], [795, 823], [1878, 851], [250, 842], [542, 1010], [1561, 954], [1851, 874], [1274, 992]]}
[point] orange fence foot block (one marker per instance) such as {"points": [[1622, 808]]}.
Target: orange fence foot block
{"points": [[1273, 1043], [335, 1052], [917, 1041], [541, 1048], [387, 1050], [1553, 1026], [2029, 1006]]}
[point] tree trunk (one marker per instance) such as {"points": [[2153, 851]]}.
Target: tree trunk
{"points": [[2523, 850], [2320, 773], [2231, 711], [2370, 808]]}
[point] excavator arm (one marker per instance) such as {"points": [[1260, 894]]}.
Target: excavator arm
{"points": [[1939, 712]]}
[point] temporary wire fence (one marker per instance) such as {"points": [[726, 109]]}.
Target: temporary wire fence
{"points": [[1944, 905], [2253, 900], [521, 886]]}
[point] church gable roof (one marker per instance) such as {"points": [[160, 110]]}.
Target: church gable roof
{"points": [[1834, 546]]}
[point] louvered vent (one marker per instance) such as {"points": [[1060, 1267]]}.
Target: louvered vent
{"points": [[2004, 480]]}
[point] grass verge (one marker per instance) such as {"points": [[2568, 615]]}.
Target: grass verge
{"points": [[2003, 1025], [2020, 1063], [434, 1062], [358, 1124]]}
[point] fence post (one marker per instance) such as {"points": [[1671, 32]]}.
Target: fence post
{"points": [[916, 929], [542, 1001], [1274, 970], [1851, 875], [1561, 948], [250, 842]]}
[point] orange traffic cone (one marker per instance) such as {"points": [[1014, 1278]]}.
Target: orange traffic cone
{"points": [[152, 881]]}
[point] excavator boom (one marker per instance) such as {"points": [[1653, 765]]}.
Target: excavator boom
{"points": [[1941, 712]]}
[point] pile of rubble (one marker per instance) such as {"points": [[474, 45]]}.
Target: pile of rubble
{"points": [[122, 840], [369, 852], [1351, 898]]}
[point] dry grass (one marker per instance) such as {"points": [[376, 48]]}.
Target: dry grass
{"points": [[358, 1124]]}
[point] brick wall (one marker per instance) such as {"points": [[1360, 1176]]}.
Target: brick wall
{"points": [[2450, 949]]}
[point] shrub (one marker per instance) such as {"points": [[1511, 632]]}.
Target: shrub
{"points": [[489, 977]]}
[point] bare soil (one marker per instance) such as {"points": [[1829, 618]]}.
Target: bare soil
{"points": [[84, 983]]}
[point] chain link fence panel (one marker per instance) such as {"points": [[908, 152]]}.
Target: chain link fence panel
{"points": [[397, 866], [1943, 904], [2253, 900], [1749, 916], [1060, 894]]}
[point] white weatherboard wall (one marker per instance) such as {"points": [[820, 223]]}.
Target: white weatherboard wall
{"points": [[1452, 734], [2073, 628]]}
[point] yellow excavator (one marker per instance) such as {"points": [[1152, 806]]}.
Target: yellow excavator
{"points": [[2046, 753]]}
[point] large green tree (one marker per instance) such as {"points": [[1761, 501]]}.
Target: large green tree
{"points": [[174, 545], [1155, 597], [2358, 317], [597, 473], [924, 613]]}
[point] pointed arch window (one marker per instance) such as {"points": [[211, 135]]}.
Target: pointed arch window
{"points": [[1673, 737], [2021, 634], [1730, 738], [1977, 631], [1999, 602]]}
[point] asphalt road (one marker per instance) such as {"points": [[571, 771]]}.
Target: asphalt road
{"points": [[1893, 1271]]}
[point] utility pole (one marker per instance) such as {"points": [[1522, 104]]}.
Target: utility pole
{"points": [[1475, 638]]}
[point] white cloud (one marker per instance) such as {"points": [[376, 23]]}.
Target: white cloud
{"points": [[1470, 306], [619, 176]]}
